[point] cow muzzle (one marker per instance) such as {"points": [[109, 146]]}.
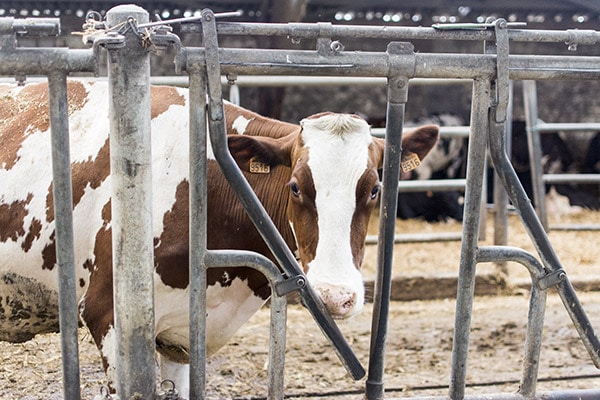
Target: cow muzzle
{"points": [[340, 301]]}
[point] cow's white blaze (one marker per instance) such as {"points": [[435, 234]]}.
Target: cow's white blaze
{"points": [[338, 146]]}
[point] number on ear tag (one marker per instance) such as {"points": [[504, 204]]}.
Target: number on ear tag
{"points": [[410, 162], [257, 167]]}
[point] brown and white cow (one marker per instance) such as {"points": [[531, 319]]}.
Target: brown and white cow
{"points": [[320, 191]]}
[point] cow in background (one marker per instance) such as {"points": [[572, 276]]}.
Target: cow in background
{"points": [[447, 160], [556, 159]]}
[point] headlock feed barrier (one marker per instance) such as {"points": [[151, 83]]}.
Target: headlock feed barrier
{"points": [[127, 35]]}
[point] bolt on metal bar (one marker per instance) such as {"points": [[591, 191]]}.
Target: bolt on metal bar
{"points": [[132, 236], [63, 211]]}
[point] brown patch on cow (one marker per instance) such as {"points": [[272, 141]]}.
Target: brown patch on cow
{"points": [[12, 219], [35, 228], [49, 254], [27, 112], [172, 253], [302, 211], [86, 173], [163, 97], [107, 213]]}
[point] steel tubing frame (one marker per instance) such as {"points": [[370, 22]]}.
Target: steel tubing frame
{"points": [[398, 67], [131, 205]]}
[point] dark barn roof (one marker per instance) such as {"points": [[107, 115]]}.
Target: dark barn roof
{"points": [[562, 13]]}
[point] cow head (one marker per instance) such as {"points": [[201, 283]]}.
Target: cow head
{"points": [[333, 188]]}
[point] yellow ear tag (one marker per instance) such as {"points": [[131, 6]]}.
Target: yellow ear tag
{"points": [[257, 167], [410, 162]]}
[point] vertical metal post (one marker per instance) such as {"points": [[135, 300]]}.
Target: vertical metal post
{"points": [[533, 341], [63, 211], [468, 256], [132, 237], [396, 102], [277, 346], [500, 195], [198, 234], [534, 143]]}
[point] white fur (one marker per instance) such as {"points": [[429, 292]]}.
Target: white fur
{"points": [[241, 124]]}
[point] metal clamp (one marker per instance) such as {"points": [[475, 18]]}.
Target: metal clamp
{"points": [[289, 285], [552, 279]]}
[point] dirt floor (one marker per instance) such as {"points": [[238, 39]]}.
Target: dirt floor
{"points": [[419, 337]]}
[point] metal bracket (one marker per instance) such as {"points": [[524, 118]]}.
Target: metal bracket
{"points": [[289, 285], [502, 78], [552, 279]]}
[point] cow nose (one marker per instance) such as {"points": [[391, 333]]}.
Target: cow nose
{"points": [[339, 300]]}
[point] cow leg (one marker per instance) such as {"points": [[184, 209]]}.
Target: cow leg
{"points": [[178, 373]]}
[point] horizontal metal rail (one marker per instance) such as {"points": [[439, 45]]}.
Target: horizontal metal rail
{"points": [[417, 65], [308, 31], [571, 178], [32, 27]]}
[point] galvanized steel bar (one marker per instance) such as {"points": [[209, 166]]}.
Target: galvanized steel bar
{"points": [[537, 307], [432, 65], [36, 27], [45, 61], [397, 96], [132, 236], [238, 258], [571, 178], [198, 234], [466, 277], [63, 211], [257, 213], [309, 31], [535, 151], [437, 185]]}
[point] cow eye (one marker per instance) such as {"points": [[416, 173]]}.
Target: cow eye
{"points": [[375, 192], [295, 189]]}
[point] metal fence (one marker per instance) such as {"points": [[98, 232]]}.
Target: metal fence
{"points": [[535, 128], [129, 75]]}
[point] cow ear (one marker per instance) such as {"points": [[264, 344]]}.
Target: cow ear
{"points": [[416, 143], [419, 142], [259, 151]]}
